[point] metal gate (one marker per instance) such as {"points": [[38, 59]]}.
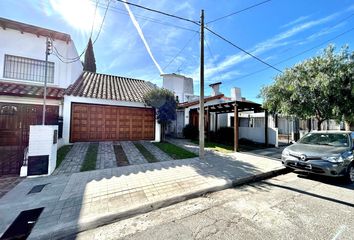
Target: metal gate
{"points": [[15, 120]]}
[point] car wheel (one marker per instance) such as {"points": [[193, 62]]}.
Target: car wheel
{"points": [[350, 175]]}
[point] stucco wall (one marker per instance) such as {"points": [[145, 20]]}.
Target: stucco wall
{"points": [[28, 45], [257, 135]]}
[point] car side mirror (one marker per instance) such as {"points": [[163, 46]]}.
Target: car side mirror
{"points": [[292, 142]]}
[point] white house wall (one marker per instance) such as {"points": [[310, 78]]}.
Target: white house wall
{"points": [[28, 45], [72, 99]]}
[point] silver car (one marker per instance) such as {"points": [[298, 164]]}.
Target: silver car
{"points": [[328, 153]]}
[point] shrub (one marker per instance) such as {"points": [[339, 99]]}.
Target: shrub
{"points": [[190, 132], [226, 135]]}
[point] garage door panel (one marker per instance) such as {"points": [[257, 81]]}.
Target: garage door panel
{"points": [[101, 122]]}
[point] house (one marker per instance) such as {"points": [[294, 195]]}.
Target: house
{"points": [[219, 111], [86, 106]]}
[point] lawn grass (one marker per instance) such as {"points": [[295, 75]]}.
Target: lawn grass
{"points": [[90, 158], [216, 146], [174, 151], [148, 155], [61, 153]]}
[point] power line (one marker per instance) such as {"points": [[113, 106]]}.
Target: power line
{"points": [[243, 50], [212, 55], [149, 19], [160, 12], [104, 17], [75, 59], [182, 49], [94, 17], [298, 54], [239, 11]]}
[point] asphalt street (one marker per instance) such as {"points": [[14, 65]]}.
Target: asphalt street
{"points": [[291, 206]]}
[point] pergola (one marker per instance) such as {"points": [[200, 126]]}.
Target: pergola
{"points": [[235, 107]]}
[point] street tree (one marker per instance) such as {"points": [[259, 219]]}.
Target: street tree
{"points": [[319, 87], [165, 104], [90, 61]]}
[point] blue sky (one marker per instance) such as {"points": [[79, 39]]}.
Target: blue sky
{"points": [[273, 31]]}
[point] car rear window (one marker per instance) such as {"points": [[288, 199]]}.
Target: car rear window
{"points": [[331, 139]]}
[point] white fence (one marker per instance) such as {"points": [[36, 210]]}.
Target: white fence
{"points": [[256, 134]]}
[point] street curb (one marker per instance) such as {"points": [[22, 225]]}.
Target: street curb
{"points": [[70, 229]]}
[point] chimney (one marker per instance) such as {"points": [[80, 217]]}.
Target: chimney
{"points": [[215, 88], [236, 94]]}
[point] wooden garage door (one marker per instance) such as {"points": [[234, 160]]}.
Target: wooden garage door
{"points": [[109, 123]]}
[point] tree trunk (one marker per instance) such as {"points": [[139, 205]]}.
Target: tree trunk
{"points": [[163, 138], [347, 125], [319, 122]]}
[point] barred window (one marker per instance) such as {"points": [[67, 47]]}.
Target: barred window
{"points": [[27, 69]]}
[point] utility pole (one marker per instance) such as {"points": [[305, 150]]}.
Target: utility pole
{"points": [[48, 45], [201, 101]]}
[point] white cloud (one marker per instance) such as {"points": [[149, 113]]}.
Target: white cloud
{"points": [[280, 40], [78, 13], [296, 21]]}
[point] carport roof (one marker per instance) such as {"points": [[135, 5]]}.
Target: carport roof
{"points": [[103, 86]]}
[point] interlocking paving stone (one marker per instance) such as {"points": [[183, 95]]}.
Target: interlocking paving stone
{"points": [[132, 153], [73, 160], [160, 155], [106, 157], [73, 200]]}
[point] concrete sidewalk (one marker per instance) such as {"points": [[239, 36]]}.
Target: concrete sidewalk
{"points": [[81, 201]]}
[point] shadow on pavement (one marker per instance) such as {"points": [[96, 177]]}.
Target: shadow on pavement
{"points": [[71, 201], [335, 181]]}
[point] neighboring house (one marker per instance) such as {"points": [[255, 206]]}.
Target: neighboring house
{"points": [[86, 106], [220, 112], [22, 66]]}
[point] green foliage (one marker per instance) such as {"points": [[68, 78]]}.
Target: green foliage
{"points": [[190, 132], [219, 147], [147, 155], [90, 61], [164, 102], [320, 87], [174, 151], [225, 135], [90, 158], [61, 153]]}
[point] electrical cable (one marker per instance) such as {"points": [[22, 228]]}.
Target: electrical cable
{"points": [[239, 11], [72, 60], [182, 49], [243, 50], [298, 54], [160, 12]]}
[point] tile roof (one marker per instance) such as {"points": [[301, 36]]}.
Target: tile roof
{"points": [[25, 90], [206, 99], [103, 86]]}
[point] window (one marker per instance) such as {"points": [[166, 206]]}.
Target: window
{"points": [[27, 69]]}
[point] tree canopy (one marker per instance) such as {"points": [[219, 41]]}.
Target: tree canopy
{"points": [[90, 61], [321, 87], [164, 102]]}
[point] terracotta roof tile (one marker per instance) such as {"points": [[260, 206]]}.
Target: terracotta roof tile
{"points": [[25, 90], [103, 86], [206, 99]]}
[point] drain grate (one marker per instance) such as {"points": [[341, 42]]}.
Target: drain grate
{"points": [[23, 224], [37, 189]]}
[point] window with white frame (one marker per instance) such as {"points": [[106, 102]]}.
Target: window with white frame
{"points": [[27, 69]]}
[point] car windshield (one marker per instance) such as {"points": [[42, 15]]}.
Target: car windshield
{"points": [[331, 139]]}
